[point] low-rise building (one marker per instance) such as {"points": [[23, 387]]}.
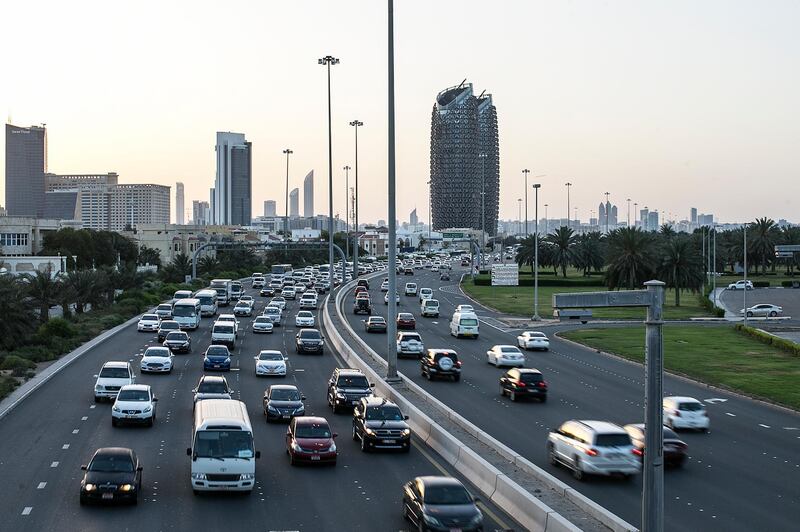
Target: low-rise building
{"points": [[23, 236]]}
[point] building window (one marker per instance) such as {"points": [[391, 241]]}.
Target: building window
{"points": [[13, 239]]}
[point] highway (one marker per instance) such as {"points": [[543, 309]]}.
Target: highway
{"points": [[53, 432], [743, 475]]}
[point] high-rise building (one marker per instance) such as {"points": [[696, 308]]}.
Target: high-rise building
{"points": [[26, 164], [232, 201], [270, 208], [308, 195], [200, 212], [465, 160], [693, 215], [643, 218], [412, 218], [179, 203], [705, 220], [134, 204], [652, 221], [294, 203]]}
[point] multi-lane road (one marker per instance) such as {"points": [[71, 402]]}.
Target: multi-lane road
{"points": [[54, 431], [743, 475]]}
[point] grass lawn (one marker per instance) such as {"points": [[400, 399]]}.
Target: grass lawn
{"points": [[518, 300], [715, 355]]}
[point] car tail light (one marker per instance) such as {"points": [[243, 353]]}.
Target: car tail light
{"points": [[458, 364], [591, 452], [520, 384], [542, 384], [637, 452]]}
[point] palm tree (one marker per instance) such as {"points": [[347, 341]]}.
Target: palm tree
{"points": [[588, 252], [82, 285], [526, 252], [681, 267], [562, 240], [762, 235], [43, 290], [18, 319], [208, 265], [630, 260], [791, 235], [667, 231]]}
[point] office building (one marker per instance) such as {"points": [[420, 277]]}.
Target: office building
{"points": [[270, 208], [26, 164], [652, 221], [693, 215], [705, 220], [179, 203], [232, 192], [464, 160], [308, 195], [294, 203], [412, 218], [200, 212]]}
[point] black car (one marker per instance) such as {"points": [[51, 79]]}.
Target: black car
{"points": [[440, 363], [346, 387], [309, 341], [283, 401], [520, 383], [676, 452], [166, 327], [267, 291], [178, 342], [440, 503], [379, 424], [362, 304], [444, 276], [113, 474]]}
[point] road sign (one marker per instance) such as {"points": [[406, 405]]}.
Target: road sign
{"points": [[784, 254], [505, 275], [452, 236]]}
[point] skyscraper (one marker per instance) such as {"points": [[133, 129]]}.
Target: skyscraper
{"points": [[308, 195], [26, 164], [294, 203], [270, 208], [179, 203], [693, 215], [412, 218], [199, 212], [465, 160], [233, 185]]}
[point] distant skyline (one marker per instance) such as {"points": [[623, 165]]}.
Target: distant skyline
{"points": [[675, 105]]}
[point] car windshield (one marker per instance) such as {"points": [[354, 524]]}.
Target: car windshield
{"points": [[115, 373], [690, 407], [309, 335], [170, 325], [431, 303], [469, 322], [242, 305], [224, 329], [612, 440], [405, 316], [111, 464], [212, 387], [184, 311], [312, 431], [410, 338], [223, 444], [353, 381], [133, 395], [466, 308], [537, 335], [384, 413], [531, 377], [180, 336], [217, 351], [157, 352], [165, 306], [447, 495], [305, 315], [272, 310], [263, 319], [284, 395], [377, 320], [270, 356], [149, 317]]}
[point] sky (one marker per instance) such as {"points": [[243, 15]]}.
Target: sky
{"points": [[673, 104]]}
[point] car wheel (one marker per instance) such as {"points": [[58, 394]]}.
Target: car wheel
{"points": [[513, 396], [292, 461], [749, 314], [151, 421], [84, 501], [135, 500], [577, 472], [456, 378], [551, 454], [543, 399], [96, 399], [502, 392], [773, 314], [355, 434], [113, 422]]}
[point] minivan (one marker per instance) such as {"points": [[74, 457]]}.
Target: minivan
{"points": [[430, 307], [464, 324], [223, 333]]}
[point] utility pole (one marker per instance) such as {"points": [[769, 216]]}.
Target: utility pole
{"points": [[744, 292], [357, 248], [629, 213], [536, 187], [287, 152], [391, 348], [347, 216], [519, 214], [546, 221]]}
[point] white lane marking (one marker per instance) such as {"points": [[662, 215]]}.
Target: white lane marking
{"points": [[92, 407], [84, 418], [729, 414], [75, 431], [297, 369], [41, 485], [791, 428], [27, 510], [65, 446], [53, 464], [714, 400], [765, 426]]}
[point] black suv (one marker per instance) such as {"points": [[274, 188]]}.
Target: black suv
{"points": [[362, 305], [166, 327], [440, 363], [523, 382], [346, 388], [379, 424], [364, 283], [309, 341]]}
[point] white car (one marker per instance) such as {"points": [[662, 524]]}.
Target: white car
{"points": [[270, 362], [685, 413], [465, 309], [262, 324], [410, 343], [112, 377], [259, 282], [304, 318], [411, 289], [740, 285], [425, 293], [593, 447], [135, 403], [243, 308], [289, 292], [763, 309], [278, 301], [164, 311], [385, 285], [505, 355], [396, 298], [435, 268], [247, 299], [308, 302], [148, 323], [156, 360], [533, 340], [273, 313], [229, 318]]}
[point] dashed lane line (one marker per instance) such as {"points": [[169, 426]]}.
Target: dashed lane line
{"points": [[27, 510]]}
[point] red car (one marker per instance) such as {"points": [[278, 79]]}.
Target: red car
{"points": [[405, 320], [360, 289], [309, 440]]}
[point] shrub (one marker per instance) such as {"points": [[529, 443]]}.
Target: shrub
{"points": [[56, 327], [760, 284], [790, 284], [14, 362], [707, 304], [7, 385], [485, 280], [35, 353], [775, 341]]}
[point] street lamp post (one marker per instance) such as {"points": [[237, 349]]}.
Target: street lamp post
{"points": [[525, 172], [347, 214], [744, 292], [356, 248], [519, 215], [536, 187], [288, 152], [629, 213], [546, 220], [568, 185], [391, 348], [328, 61]]}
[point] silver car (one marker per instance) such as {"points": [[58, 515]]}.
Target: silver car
{"points": [[763, 309]]}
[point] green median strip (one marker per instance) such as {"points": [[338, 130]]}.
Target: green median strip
{"points": [[718, 355]]}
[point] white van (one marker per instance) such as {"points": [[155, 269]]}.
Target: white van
{"points": [[429, 307], [224, 333], [464, 324], [223, 452], [208, 302]]}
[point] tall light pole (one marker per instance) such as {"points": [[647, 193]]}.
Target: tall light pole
{"points": [[629, 213], [536, 317], [391, 348], [482, 157], [635, 212], [347, 214], [356, 249], [608, 208], [744, 292], [288, 152], [546, 220], [568, 184], [328, 61], [525, 172]]}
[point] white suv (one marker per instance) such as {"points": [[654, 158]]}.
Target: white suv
{"points": [[593, 447], [425, 293], [135, 404], [741, 285], [308, 301], [411, 289], [112, 377], [685, 413]]}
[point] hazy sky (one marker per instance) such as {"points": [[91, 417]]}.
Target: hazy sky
{"points": [[672, 104]]}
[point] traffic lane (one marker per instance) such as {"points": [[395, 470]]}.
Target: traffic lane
{"points": [[787, 298]]}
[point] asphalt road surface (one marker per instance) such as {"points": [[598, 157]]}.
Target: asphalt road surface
{"points": [[788, 298], [47, 438], [742, 475]]}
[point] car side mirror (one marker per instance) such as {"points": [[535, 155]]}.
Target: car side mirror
{"points": [[476, 499], [405, 418], [84, 468], [258, 454], [302, 397], [95, 376], [372, 385], [188, 451], [139, 468], [335, 434], [155, 399]]}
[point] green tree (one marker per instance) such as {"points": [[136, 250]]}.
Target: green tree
{"points": [[43, 290], [762, 235], [208, 265], [81, 284], [681, 267], [562, 239], [589, 252], [631, 259], [791, 235], [18, 320], [667, 231], [149, 256]]}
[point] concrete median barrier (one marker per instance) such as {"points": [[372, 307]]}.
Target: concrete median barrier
{"points": [[480, 472], [529, 511]]}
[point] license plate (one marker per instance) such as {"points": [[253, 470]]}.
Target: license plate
{"points": [[108, 495], [216, 365], [130, 416], [285, 416], [314, 457], [455, 530], [389, 441]]}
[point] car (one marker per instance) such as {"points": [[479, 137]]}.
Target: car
{"points": [[518, 383], [505, 355], [113, 474], [259, 282], [309, 341], [212, 387], [741, 285], [360, 290], [593, 447], [375, 324], [362, 304], [425, 293], [278, 301], [270, 362], [410, 343], [396, 298], [262, 324], [164, 311], [148, 323], [379, 424], [429, 308], [156, 359], [273, 313], [346, 387], [289, 292], [435, 268], [243, 308], [406, 320], [533, 340], [440, 363], [267, 291], [440, 503], [222, 318], [385, 285], [310, 439], [135, 403], [685, 413], [304, 318], [217, 357], [465, 309], [444, 276], [411, 289], [283, 401], [763, 309], [165, 327], [408, 270], [178, 342], [247, 299], [676, 452], [112, 377], [223, 333], [308, 301]]}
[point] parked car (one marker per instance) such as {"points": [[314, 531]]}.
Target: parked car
{"points": [[676, 452], [270, 362], [533, 340], [156, 359], [379, 424], [375, 324], [165, 327], [164, 311], [440, 503], [593, 447], [741, 285], [283, 402], [309, 341], [148, 323], [112, 377], [304, 318], [113, 474], [505, 355], [178, 342], [685, 413], [520, 383], [346, 387], [441, 363], [410, 343], [212, 387], [262, 324], [217, 357], [406, 320], [310, 439], [135, 403], [763, 310]]}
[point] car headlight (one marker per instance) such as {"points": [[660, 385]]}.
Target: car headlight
{"points": [[98, 388], [228, 360], [339, 395], [247, 476], [198, 476], [272, 408], [115, 408], [332, 448], [89, 487], [296, 447], [147, 409], [126, 487], [431, 520], [369, 432], [300, 410], [406, 432], [478, 519]]}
